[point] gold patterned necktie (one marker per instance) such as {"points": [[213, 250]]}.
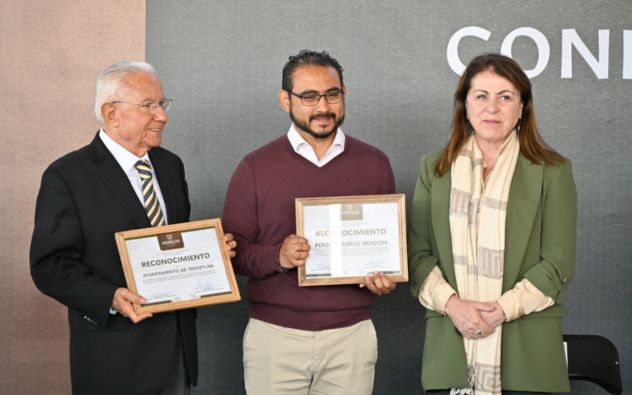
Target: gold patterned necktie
{"points": [[151, 203]]}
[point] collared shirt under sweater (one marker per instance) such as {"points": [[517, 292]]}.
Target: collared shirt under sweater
{"points": [[259, 211]]}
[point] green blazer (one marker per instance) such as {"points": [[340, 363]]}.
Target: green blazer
{"points": [[539, 246]]}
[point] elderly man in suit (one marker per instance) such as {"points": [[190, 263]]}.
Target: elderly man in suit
{"points": [[85, 197]]}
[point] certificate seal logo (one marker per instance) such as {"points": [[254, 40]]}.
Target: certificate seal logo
{"points": [[351, 212], [170, 241]]}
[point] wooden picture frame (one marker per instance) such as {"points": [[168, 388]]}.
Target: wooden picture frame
{"points": [[351, 236], [178, 266]]}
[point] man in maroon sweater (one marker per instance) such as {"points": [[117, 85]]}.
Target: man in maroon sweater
{"points": [[304, 340]]}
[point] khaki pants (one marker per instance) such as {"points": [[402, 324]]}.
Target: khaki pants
{"points": [[279, 360]]}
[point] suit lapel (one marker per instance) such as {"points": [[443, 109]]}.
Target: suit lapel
{"points": [[440, 206], [165, 176], [524, 201], [116, 181]]}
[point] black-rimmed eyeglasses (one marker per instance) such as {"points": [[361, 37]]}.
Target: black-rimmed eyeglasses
{"points": [[312, 98]]}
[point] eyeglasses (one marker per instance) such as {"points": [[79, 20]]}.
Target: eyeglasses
{"points": [[151, 107], [312, 98]]}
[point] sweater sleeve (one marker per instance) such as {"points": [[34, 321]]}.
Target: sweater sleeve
{"points": [[388, 181], [242, 220]]}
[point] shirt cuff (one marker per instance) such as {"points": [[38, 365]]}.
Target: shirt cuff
{"points": [[435, 291], [523, 299]]}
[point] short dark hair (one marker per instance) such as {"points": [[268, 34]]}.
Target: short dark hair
{"points": [[307, 57]]}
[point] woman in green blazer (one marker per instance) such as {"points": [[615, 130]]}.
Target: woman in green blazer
{"points": [[491, 242]]}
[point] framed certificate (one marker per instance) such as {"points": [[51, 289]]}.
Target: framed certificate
{"points": [[352, 236], [178, 266]]}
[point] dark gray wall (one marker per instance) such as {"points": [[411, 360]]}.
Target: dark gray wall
{"points": [[222, 62]]}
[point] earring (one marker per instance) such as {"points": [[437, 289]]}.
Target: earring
{"points": [[468, 127]]}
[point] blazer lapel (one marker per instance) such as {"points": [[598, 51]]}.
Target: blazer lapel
{"points": [[524, 201], [116, 181], [440, 207]]}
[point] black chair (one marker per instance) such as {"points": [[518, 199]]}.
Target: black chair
{"points": [[594, 358]]}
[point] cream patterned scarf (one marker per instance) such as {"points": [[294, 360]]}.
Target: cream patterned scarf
{"points": [[477, 223]]}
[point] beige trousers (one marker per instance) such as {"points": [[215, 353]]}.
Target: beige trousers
{"points": [[279, 360]]}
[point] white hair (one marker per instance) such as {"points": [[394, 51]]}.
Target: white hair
{"points": [[111, 80]]}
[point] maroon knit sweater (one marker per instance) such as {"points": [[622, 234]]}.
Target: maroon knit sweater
{"points": [[259, 211]]}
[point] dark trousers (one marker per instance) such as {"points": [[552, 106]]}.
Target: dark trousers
{"points": [[179, 384]]}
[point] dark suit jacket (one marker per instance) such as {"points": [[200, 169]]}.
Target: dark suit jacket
{"points": [[85, 197]]}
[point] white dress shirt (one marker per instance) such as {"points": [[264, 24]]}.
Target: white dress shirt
{"points": [[127, 160], [305, 150]]}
